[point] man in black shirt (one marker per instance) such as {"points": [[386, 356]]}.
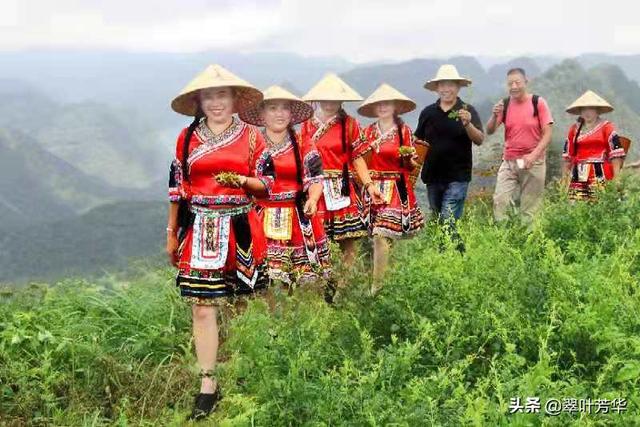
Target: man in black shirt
{"points": [[450, 126]]}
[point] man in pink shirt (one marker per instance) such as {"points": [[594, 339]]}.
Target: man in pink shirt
{"points": [[527, 133]]}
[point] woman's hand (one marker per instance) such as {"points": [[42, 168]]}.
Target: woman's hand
{"points": [[374, 192], [310, 207], [172, 248], [231, 179], [414, 162]]}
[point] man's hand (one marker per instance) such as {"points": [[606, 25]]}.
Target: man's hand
{"points": [[498, 109], [465, 117], [529, 159]]}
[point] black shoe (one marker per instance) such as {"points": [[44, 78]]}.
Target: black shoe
{"points": [[204, 405]]}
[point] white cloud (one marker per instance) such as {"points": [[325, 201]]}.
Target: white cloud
{"points": [[357, 30]]}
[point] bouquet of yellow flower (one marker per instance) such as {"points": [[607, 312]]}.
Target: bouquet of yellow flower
{"points": [[228, 179], [405, 151]]}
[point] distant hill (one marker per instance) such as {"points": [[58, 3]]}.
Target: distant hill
{"points": [[106, 236], [117, 146], [147, 82], [25, 197], [497, 73], [629, 64]]}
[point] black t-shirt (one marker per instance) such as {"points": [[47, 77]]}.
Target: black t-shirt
{"points": [[450, 157]]}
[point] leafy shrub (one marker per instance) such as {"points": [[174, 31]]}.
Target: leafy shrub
{"points": [[552, 312]]}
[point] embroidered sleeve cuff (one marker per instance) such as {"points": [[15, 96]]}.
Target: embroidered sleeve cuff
{"points": [[268, 183], [174, 195], [617, 153], [360, 147], [363, 149], [308, 182]]}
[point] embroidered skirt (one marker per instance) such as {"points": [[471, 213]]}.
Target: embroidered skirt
{"points": [[342, 214], [586, 178], [400, 215], [297, 246], [222, 255]]}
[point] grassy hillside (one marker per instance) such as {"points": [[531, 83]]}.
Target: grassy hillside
{"points": [[450, 340]]}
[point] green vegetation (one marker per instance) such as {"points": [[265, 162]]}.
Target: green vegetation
{"points": [[551, 312]]}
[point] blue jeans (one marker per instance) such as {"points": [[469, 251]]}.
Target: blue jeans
{"points": [[447, 199]]}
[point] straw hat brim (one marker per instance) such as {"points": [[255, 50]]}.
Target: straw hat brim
{"points": [[589, 99], [432, 85], [403, 106], [602, 109], [246, 97], [300, 111]]}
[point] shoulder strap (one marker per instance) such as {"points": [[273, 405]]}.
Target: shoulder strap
{"points": [[505, 102], [534, 100]]}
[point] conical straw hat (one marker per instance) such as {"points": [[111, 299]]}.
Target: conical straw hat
{"points": [[386, 93], [300, 110], [215, 76], [446, 72], [332, 88], [592, 100]]}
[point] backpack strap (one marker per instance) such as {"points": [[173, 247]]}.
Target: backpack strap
{"points": [[535, 99]]}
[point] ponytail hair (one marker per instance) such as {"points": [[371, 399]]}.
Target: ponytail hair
{"points": [[185, 144], [346, 189], [400, 126], [296, 152], [342, 115]]}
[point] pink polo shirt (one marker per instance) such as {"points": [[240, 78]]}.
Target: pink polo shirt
{"points": [[522, 131]]}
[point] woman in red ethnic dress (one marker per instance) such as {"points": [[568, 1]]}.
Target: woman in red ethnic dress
{"points": [[390, 167], [339, 140], [297, 246], [592, 151], [214, 236]]}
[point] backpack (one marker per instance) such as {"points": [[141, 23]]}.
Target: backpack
{"points": [[534, 101]]}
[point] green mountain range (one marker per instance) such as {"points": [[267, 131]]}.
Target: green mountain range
{"points": [[106, 237], [114, 145]]}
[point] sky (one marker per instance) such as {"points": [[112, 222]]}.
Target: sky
{"points": [[359, 31]]}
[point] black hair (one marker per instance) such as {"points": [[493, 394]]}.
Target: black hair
{"points": [[399, 124], [580, 121], [296, 152], [187, 139], [342, 115], [515, 70]]}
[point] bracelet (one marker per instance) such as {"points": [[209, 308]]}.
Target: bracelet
{"points": [[170, 230]]}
